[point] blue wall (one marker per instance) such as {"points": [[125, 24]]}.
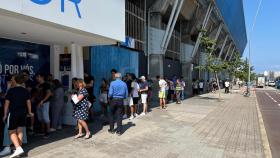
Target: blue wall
{"points": [[17, 55], [105, 58], [233, 14]]}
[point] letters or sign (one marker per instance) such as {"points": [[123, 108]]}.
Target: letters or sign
{"points": [[75, 2]]}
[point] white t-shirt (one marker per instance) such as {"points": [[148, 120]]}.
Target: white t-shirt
{"points": [[201, 84], [226, 84], [135, 88], [162, 84], [183, 85]]}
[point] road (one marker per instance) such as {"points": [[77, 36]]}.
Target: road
{"points": [[269, 103]]}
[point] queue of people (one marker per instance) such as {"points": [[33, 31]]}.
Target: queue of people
{"points": [[39, 109]]}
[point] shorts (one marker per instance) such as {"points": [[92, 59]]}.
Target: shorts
{"points": [[43, 113], [15, 121], [144, 98], [126, 101], [162, 95], [134, 101]]}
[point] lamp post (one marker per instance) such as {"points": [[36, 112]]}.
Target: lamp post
{"points": [[250, 38]]}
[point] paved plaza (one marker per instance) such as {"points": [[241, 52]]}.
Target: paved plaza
{"points": [[200, 127]]}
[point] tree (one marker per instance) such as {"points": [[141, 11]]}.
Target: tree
{"points": [[213, 64]]}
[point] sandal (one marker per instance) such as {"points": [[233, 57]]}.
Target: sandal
{"points": [[87, 136], [78, 136]]}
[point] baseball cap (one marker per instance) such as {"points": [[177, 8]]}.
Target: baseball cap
{"points": [[143, 78]]}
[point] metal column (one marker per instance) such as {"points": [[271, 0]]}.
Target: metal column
{"points": [[173, 25], [171, 19], [231, 54], [217, 36], [229, 48], [223, 47], [204, 24]]}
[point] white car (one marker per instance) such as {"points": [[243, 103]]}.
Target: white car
{"points": [[271, 83]]}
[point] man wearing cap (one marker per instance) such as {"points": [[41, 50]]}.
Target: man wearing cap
{"points": [[117, 93], [144, 94]]}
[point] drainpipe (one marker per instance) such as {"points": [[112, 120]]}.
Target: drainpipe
{"points": [[148, 41], [223, 47]]}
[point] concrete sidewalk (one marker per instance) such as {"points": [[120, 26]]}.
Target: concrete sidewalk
{"points": [[200, 127]]}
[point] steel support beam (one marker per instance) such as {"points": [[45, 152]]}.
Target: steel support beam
{"points": [[171, 19], [204, 24], [173, 25], [223, 47], [229, 48], [231, 54], [216, 37]]}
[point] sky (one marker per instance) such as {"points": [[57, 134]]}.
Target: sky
{"points": [[265, 38]]}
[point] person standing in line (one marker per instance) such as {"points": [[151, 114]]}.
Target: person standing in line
{"points": [[6, 138], [172, 90], [134, 97], [57, 104], [44, 104], [201, 87], [178, 91], [103, 97], [150, 89], [89, 81], [195, 87], [117, 93], [128, 80], [113, 77], [183, 85], [16, 108], [81, 112], [162, 92], [144, 95], [30, 87], [227, 84]]}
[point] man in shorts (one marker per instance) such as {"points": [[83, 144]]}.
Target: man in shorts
{"points": [[162, 89], [16, 108]]}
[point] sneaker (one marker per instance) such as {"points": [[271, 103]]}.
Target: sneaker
{"points": [[111, 131], [119, 133], [46, 136], [142, 114], [18, 152], [52, 130], [131, 117], [5, 151], [124, 116], [136, 115]]}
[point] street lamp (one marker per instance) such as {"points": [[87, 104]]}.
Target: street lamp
{"points": [[250, 38]]}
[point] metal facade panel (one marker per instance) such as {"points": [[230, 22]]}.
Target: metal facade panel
{"points": [[105, 58], [233, 14]]}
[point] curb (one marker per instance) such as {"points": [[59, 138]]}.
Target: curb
{"points": [[265, 142]]}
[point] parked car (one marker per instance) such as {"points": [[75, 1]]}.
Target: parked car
{"points": [[271, 83]]}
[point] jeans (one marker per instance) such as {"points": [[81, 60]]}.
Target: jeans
{"points": [[182, 94], [116, 112], [43, 113]]}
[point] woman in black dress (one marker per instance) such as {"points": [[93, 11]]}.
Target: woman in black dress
{"points": [[81, 110]]}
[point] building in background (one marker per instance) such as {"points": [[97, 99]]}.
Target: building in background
{"points": [[144, 37]]}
